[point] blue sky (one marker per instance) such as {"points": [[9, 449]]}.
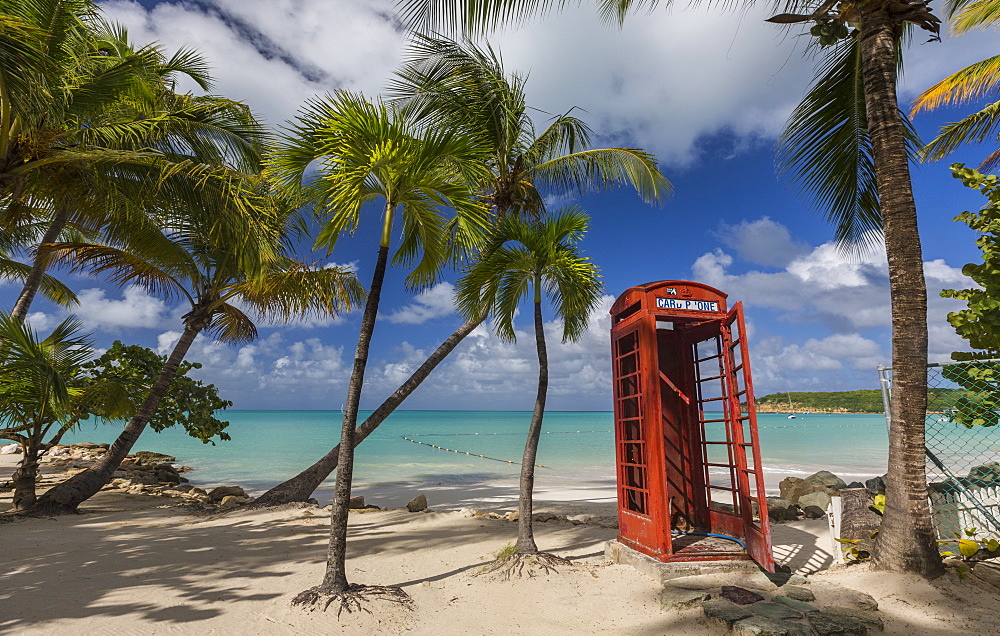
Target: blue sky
{"points": [[706, 92]]}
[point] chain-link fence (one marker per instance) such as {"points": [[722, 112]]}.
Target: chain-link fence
{"points": [[963, 445]]}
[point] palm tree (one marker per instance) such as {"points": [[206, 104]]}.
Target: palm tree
{"points": [[371, 151], [465, 87], [91, 130], [907, 540], [221, 263], [42, 390], [968, 85], [533, 257]]}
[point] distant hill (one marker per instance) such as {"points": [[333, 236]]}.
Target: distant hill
{"points": [[862, 401]]}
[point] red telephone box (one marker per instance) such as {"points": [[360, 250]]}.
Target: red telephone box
{"points": [[686, 427]]}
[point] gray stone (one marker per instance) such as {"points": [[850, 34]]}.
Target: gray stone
{"points": [[830, 594], [855, 484], [777, 611], [876, 485], [216, 494], [763, 626], [793, 488], [417, 504], [797, 579], [988, 572], [871, 620], [357, 502], [10, 449], [827, 624], [797, 593], [672, 598], [739, 595], [795, 605], [725, 612], [780, 509], [814, 512], [819, 499]]}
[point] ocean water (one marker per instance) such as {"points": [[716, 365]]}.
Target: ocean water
{"points": [[576, 447]]}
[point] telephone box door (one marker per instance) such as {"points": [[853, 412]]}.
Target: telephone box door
{"points": [[752, 502]]}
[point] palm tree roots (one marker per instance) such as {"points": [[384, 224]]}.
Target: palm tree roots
{"points": [[352, 599], [522, 565]]}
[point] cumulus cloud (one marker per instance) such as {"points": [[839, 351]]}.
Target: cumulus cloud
{"points": [[136, 309], [761, 242], [435, 302]]}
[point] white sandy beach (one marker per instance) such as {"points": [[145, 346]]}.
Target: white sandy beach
{"points": [[137, 564]]}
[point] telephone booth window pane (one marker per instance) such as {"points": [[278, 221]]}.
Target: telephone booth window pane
{"points": [[628, 386], [629, 364], [633, 454], [632, 430], [630, 407], [635, 476], [635, 500]]}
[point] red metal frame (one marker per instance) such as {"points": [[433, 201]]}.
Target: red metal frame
{"points": [[679, 359]]}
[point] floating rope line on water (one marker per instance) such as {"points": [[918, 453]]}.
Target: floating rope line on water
{"points": [[457, 434], [460, 452]]}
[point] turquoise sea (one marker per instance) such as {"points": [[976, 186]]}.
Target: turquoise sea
{"points": [[576, 449]]}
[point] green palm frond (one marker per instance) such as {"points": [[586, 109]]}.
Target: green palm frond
{"points": [[605, 168], [966, 15], [962, 87], [539, 257], [295, 289], [51, 287], [972, 129], [826, 149], [229, 324]]}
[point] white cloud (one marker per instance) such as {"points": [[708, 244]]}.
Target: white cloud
{"points": [[136, 309], [762, 242], [435, 302]]}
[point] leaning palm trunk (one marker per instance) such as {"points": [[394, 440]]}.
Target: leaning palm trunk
{"points": [[24, 478], [302, 486], [66, 496], [38, 266], [525, 533], [335, 579], [906, 541]]}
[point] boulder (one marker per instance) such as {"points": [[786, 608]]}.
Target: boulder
{"points": [[876, 485], [230, 501], [356, 503], [418, 504], [777, 611], [149, 457], [819, 499], [762, 626], [167, 474], [217, 494], [10, 449], [798, 593], [780, 509], [90, 446], [793, 488], [855, 484], [986, 475], [814, 512]]}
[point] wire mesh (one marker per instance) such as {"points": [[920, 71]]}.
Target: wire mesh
{"points": [[962, 444]]}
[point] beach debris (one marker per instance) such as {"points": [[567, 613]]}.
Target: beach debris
{"points": [[10, 449], [357, 502], [739, 595], [417, 504], [218, 494]]}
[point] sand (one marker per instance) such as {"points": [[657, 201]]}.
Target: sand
{"points": [[137, 564]]}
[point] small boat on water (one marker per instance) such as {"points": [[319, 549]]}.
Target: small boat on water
{"points": [[791, 415]]}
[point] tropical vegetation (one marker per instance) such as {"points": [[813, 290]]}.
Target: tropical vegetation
{"points": [[464, 87], [534, 258]]}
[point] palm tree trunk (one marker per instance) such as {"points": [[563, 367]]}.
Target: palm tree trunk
{"points": [[302, 486], [335, 579], [24, 477], [906, 542], [65, 497], [38, 266], [525, 533]]}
